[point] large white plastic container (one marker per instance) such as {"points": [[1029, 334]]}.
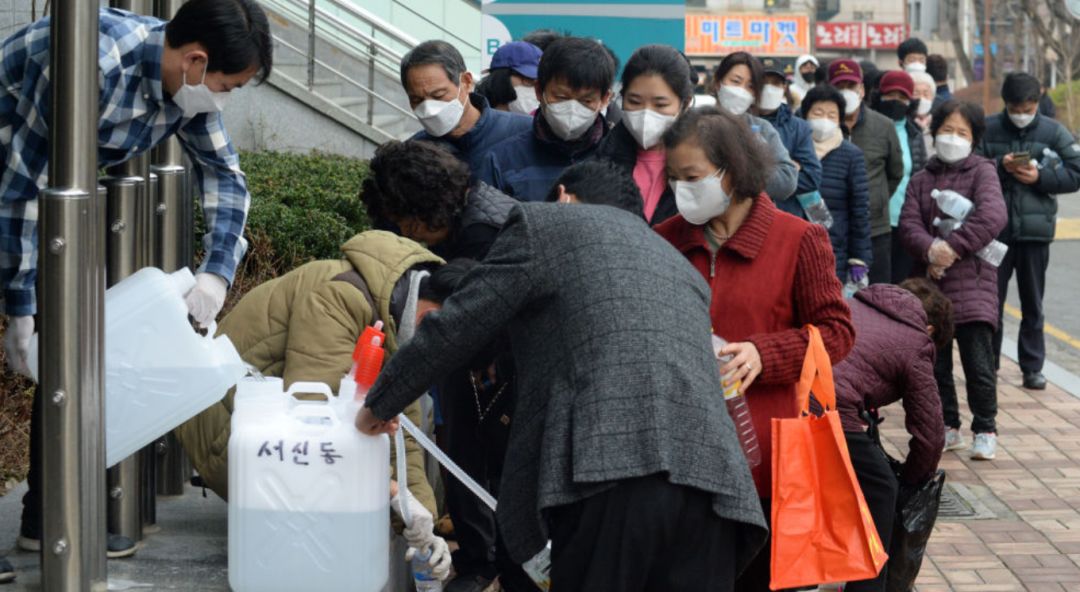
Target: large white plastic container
{"points": [[309, 495], [158, 371]]}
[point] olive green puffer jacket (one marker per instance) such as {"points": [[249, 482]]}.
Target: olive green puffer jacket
{"points": [[303, 326]]}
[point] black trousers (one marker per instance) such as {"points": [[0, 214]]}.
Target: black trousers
{"points": [[902, 262], [478, 448], [881, 267], [977, 357], [1029, 261], [32, 515], [880, 488], [643, 534]]}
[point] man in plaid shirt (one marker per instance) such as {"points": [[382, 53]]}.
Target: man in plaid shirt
{"points": [[156, 79]]}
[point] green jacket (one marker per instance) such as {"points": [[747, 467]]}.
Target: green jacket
{"points": [[1032, 208], [303, 326], [875, 135]]}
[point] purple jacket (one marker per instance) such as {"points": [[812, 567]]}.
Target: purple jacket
{"points": [[893, 360], [971, 283]]}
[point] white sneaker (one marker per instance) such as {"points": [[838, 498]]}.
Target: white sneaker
{"points": [[985, 446], [954, 439]]}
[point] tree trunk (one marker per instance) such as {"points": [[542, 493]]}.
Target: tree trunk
{"points": [[952, 12]]}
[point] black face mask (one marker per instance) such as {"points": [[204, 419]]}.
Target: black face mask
{"points": [[893, 109], [808, 76]]}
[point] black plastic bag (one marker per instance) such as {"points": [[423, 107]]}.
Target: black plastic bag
{"points": [[916, 513]]}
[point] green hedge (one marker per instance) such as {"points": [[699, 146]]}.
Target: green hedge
{"points": [[303, 207], [306, 205]]}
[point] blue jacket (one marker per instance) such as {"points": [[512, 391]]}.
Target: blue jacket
{"points": [[493, 127], [796, 135], [845, 190], [526, 166]]}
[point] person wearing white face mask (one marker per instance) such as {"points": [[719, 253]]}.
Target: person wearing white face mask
{"points": [[843, 183], [875, 135], [573, 85], [739, 78], [912, 54], [950, 259], [1021, 142], [510, 84], [924, 95], [656, 89], [794, 133], [157, 79], [441, 95], [770, 274]]}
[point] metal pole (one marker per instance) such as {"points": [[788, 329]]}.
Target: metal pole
{"points": [[71, 303], [174, 248], [126, 187], [311, 46]]}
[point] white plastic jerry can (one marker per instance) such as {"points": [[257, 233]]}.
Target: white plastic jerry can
{"points": [[309, 495], [158, 371]]}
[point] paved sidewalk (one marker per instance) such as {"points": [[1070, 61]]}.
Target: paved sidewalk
{"points": [[1031, 543], [1033, 489]]}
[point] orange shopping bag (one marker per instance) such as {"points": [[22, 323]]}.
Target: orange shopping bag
{"points": [[822, 531]]}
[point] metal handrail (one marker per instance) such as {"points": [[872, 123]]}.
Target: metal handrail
{"points": [[346, 79], [424, 18]]}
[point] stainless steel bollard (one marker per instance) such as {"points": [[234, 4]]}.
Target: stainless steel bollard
{"points": [[126, 187], [71, 310], [174, 249]]}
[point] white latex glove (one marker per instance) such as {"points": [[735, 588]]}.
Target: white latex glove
{"points": [[420, 532], [205, 300], [17, 343], [440, 560]]}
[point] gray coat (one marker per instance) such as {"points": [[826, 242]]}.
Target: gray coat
{"points": [[784, 179], [616, 378]]}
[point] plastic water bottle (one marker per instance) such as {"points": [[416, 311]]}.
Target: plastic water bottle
{"points": [[422, 577], [1050, 159], [816, 210], [947, 226], [539, 568], [953, 204], [993, 253], [738, 410]]}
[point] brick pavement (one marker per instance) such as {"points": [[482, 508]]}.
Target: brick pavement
{"points": [[1034, 542]]}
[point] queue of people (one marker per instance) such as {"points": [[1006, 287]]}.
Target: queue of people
{"points": [[555, 254]]}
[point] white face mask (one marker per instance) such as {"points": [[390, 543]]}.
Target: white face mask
{"points": [[702, 200], [823, 129], [439, 117], [1022, 120], [924, 107], [852, 101], [915, 67], [569, 119], [952, 148], [771, 98], [526, 101], [735, 99], [198, 98], [647, 126]]}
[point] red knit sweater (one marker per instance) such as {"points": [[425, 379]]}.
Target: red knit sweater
{"points": [[775, 275]]}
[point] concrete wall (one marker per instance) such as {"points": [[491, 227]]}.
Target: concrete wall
{"points": [[15, 14], [265, 118]]}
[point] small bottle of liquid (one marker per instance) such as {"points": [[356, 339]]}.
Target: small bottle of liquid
{"points": [[738, 410], [953, 204], [816, 210], [422, 577]]}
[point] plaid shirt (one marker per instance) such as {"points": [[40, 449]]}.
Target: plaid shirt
{"points": [[134, 115]]}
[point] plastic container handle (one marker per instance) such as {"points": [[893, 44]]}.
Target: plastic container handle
{"points": [[313, 388]]}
